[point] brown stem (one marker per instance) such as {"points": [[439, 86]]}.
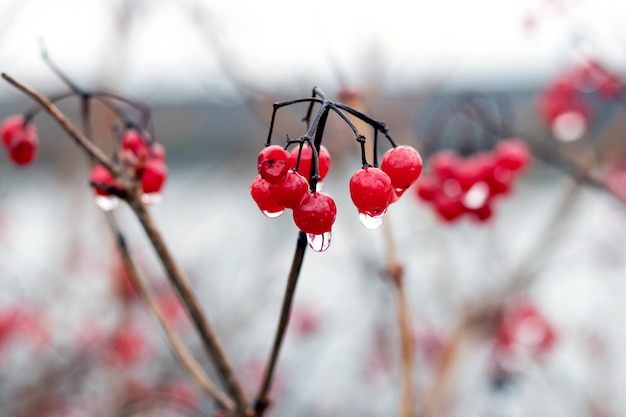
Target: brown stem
{"points": [[179, 350], [395, 272], [74, 133], [262, 398], [192, 304]]}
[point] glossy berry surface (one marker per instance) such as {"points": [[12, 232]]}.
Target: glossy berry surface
{"points": [[101, 176], [273, 163], [153, 176], [290, 190], [370, 190], [259, 190], [315, 214], [304, 168], [403, 165]]}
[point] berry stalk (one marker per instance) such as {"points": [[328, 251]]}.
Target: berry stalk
{"points": [[262, 398]]}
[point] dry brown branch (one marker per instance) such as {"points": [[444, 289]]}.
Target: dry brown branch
{"points": [[179, 350]]}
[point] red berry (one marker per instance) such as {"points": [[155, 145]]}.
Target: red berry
{"points": [[259, 190], [304, 168], [315, 214], [100, 176], [24, 150], [499, 180], [153, 176], [403, 164], [449, 209], [13, 127], [134, 147], [273, 163], [444, 163], [370, 190], [472, 170], [157, 151], [127, 346], [20, 140], [512, 154], [428, 187], [290, 190], [482, 213]]}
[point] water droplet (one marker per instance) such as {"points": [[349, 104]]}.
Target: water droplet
{"points": [[319, 243], [569, 126], [106, 202], [371, 222], [476, 196], [151, 198], [400, 191], [272, 214]]}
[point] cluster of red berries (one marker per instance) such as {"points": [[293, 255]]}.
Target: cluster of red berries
{"points": [[20, 140], [564, 104], [282, 183], [144, 158], [459, 186]]}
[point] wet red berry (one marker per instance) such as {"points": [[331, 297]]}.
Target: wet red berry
{"points": [[449, 209], [403, 164], [290, 190], [259, 190], [370, 190], [102, 179], [153, 176], [304, 168], [315, 214], [135, 149], [273, 163]]}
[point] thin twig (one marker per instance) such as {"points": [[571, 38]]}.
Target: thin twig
{"points": [[190, 299], [75, 134], [179, 350], [262, 398], [395, 272]]}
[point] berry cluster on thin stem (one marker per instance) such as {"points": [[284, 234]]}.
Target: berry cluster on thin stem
{"points": [[313, 137], [180, 351], [132, 194]]}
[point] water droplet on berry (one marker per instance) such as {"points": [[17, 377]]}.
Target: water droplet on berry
{"points": [[371, 222], [272, 214], [106, 202], [569, 126], [319, 243], [476, 196], [151, 198]]}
